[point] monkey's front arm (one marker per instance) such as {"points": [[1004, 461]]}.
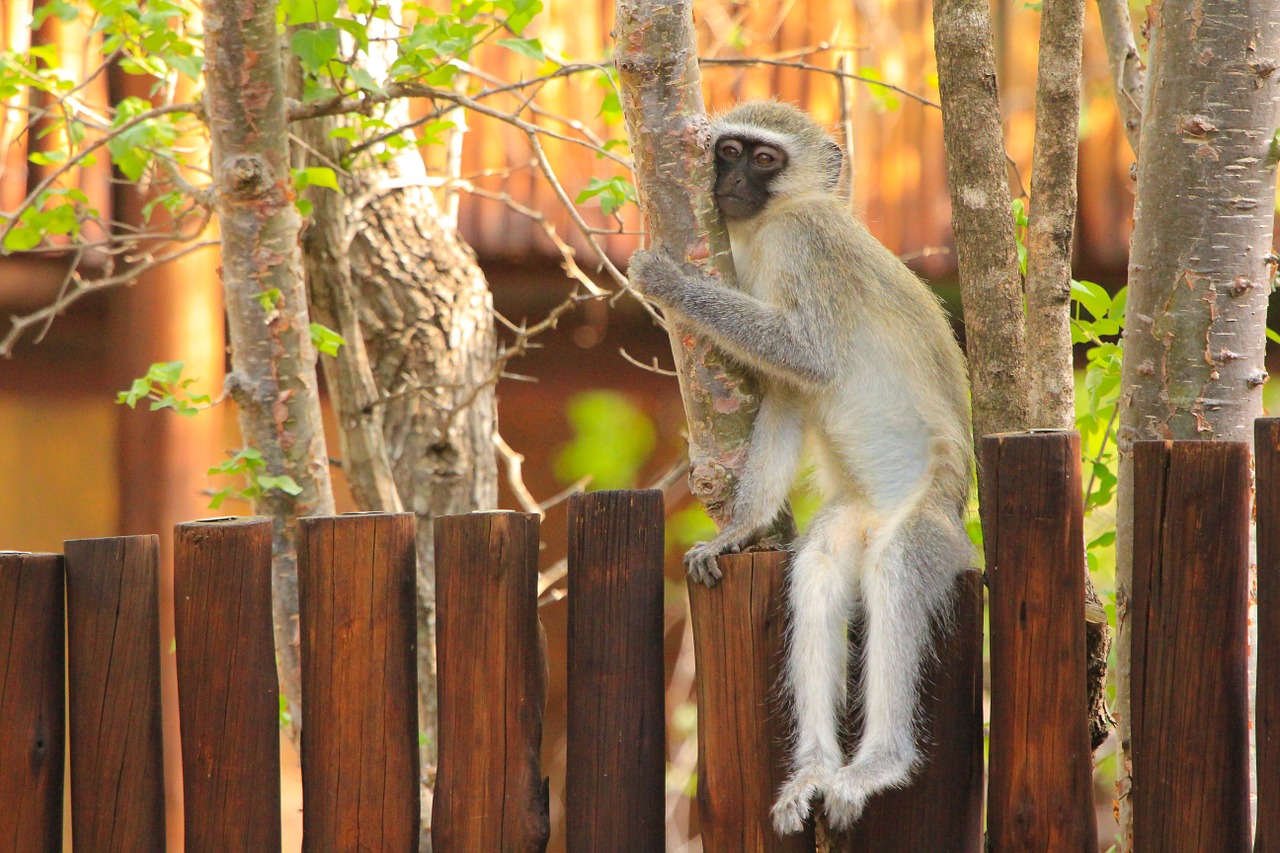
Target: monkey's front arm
{"points": [[763, 336]]}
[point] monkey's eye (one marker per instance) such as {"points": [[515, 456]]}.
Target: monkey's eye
{"points": [[730, 150], [766, 157]]}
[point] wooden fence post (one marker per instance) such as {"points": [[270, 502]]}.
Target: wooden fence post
{"points": [[615, 776], [1040, 792], [743, 727], [32, 702], [228, 698], [1188, 611], [113, 683], [1267, 475], [490, 793], [359, 682], [941, 810]]}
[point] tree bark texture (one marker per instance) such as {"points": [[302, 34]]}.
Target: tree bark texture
{"points": [[977, 171], [1048, 285], [1128, 74], [414, 388], [273, 377], [1053, 216], [656, 55], [1199, 271]]}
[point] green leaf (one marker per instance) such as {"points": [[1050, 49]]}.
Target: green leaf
{"points": [[315, 47], [22, 237], [284, 483], [326, 340], [42, 158], [165, 371], [613, 438], [268, 299], [528, 48], [364, 80], [315, 176], [613, 193], [308, 11], [1092, 296], [1273, 336]]}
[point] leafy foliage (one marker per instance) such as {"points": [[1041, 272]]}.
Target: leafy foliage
{"points": [[164, 386], [613, 438], [249, 465]]}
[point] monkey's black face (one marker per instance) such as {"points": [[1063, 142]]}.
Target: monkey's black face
{"points": [[745, 168]]}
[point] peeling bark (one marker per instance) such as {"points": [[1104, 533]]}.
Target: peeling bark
{"points": [[273, 378], [1199, 273], [656, 56], [977, 171]]}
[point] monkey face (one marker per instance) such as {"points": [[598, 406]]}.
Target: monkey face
{"points": [[745, 169]]}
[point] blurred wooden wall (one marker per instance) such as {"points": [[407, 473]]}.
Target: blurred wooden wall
{"points": [[901, 175]]}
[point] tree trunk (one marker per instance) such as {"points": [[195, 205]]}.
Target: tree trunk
{"points": [[273, 378], [656, 54], [977, 171], [414, 387], [1198, 270], [1053, 216], [1126, 66]]}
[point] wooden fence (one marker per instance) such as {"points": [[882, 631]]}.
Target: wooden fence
{"points": [[360, 744]]}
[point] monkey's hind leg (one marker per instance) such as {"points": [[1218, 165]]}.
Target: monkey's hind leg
{"points": [[772, 459], [822, 584], [906, 583]]}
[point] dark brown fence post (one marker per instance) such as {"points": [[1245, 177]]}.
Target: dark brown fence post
{"points": [[359, 682], [616, 760], [490, 793], [1188, 611], [32, 702], [941, 810], [1267, 448], [738, 632], [113, 682], [228, 698], [1040, 793]]}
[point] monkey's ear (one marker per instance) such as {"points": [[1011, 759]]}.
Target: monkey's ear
{"points": [[836, 155]]}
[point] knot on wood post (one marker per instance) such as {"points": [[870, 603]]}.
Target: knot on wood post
{"points": [[247, 175]]}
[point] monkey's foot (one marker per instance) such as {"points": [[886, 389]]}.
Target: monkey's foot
{"points": [[791, 809], [858, 781], [700, 562]]}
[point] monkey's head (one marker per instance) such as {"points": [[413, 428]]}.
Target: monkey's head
{"points": [[767, 150]]}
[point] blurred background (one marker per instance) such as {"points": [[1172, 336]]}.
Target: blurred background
{"points": [[74, 463]]}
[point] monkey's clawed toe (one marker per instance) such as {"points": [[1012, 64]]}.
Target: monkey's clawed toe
{"points": [[701, 564], [791, 809]]}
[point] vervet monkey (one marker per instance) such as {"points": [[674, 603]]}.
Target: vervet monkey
{"points": [[856, 354]]}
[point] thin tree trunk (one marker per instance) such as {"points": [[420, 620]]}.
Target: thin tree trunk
{"points": [[1198, 271], [990, 282], [1048, 286], [1053, 216], [273, 378], [656, 55], [414, 388], [1127, 73]]}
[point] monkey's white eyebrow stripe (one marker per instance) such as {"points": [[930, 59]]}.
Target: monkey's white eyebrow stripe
{"points": [[754, 133]]}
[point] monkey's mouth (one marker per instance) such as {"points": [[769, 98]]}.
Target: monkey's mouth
{"points": [[736, 206]]}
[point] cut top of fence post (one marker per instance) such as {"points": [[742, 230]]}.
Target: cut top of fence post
{"points": [[228, 695], [1034, 540], [616, 761], [492, 685], [113, 678], [32, 701], [356, 600], [1188, 611]]}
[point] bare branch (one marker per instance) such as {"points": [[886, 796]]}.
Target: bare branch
{"points": [[1127, 71]]}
